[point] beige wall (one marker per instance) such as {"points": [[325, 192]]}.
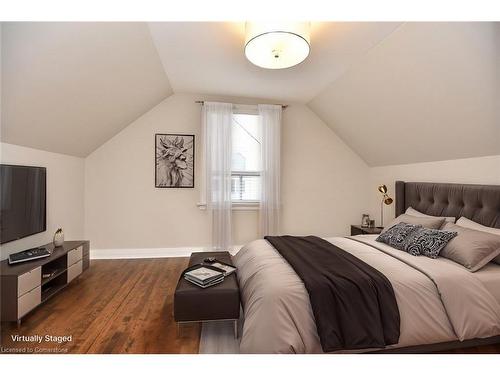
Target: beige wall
{"points": [[484, 170], [323, 180], [65, 194], [325, 186], [323, 183]]}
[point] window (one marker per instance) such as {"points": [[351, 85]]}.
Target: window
{"points": [[246, 165]]}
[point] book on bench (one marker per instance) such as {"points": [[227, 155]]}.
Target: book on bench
{"points": [[227, 268], [204, 276]]}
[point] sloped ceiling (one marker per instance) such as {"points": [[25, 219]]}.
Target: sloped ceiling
{"points": [[208, 58], [396, 93], [430, 91], [69, 87]]}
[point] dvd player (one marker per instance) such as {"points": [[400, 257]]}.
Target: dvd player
{"points": [[30, 254]]}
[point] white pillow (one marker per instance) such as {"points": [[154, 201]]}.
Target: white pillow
{"points": [[466, 223], [411, 211]]}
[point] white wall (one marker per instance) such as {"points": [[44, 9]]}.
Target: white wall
{"points": [[325, 186], [323, 183], [323, 180], [483, 170], [65, 194]]}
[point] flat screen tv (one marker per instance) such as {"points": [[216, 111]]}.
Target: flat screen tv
{"points": [[23, 201]]}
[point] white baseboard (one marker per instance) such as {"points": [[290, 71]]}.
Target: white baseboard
{"points": [[147, 253]]}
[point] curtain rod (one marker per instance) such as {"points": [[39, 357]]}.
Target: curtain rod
{"points": [[284, 106]]}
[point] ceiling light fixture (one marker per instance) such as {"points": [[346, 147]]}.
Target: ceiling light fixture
{"points": [[277, 45]]}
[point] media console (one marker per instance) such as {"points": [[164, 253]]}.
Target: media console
{"points": [[24, 287]]}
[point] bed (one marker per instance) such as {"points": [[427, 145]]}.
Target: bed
{"points": [[441, 304]]}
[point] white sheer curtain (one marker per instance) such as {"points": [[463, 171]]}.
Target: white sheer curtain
{"points": [[217, 119], [270, 123]]}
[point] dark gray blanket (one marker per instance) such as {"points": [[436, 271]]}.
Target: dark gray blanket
{"points": [[353, 303]]}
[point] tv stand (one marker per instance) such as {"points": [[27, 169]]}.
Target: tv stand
{"points": [[24, 286]]}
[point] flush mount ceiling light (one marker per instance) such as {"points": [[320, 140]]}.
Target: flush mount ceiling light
{"points": [[278, 45]]}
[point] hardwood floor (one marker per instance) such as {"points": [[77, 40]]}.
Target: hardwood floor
{"points": [[120, 306], [117, 306]]}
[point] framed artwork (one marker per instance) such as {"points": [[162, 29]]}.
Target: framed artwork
{"points": [[174, 161]]}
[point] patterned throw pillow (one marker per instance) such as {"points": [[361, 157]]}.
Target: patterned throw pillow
{"points": [[397, 234], [428, 242]]}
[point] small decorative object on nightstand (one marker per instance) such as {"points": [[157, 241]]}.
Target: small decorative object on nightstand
{"points": [[365, 221], [358, 229]]}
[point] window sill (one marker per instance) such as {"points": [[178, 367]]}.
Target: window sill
{"points": [[239, 206], [245, 206]]}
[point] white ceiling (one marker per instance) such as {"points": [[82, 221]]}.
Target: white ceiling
{"points": [[69, 87], [208, 58], [430, 91]]}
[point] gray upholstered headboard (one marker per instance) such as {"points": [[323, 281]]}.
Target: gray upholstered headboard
{"points": [[480, 203]]}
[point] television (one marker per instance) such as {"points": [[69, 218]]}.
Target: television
{"points": [[23, 201]]}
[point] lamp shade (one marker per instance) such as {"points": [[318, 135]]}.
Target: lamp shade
{"points": [[382, 189], [277, 45]]}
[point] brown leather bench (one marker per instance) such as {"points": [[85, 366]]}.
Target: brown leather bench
{"points": [[218, 302]]}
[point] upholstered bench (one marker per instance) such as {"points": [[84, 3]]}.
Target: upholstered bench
{"points": [[218, 302]]}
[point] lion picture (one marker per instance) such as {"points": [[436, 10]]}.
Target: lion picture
{"points": [[174, 157]]}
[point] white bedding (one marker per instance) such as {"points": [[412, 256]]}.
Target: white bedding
{"points": [[438, 300]]}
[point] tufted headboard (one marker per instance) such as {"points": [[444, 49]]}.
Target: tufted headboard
{"points": [[480, 203]]}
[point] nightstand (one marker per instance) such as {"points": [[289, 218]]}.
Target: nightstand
{"points": [[358, 229]]}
